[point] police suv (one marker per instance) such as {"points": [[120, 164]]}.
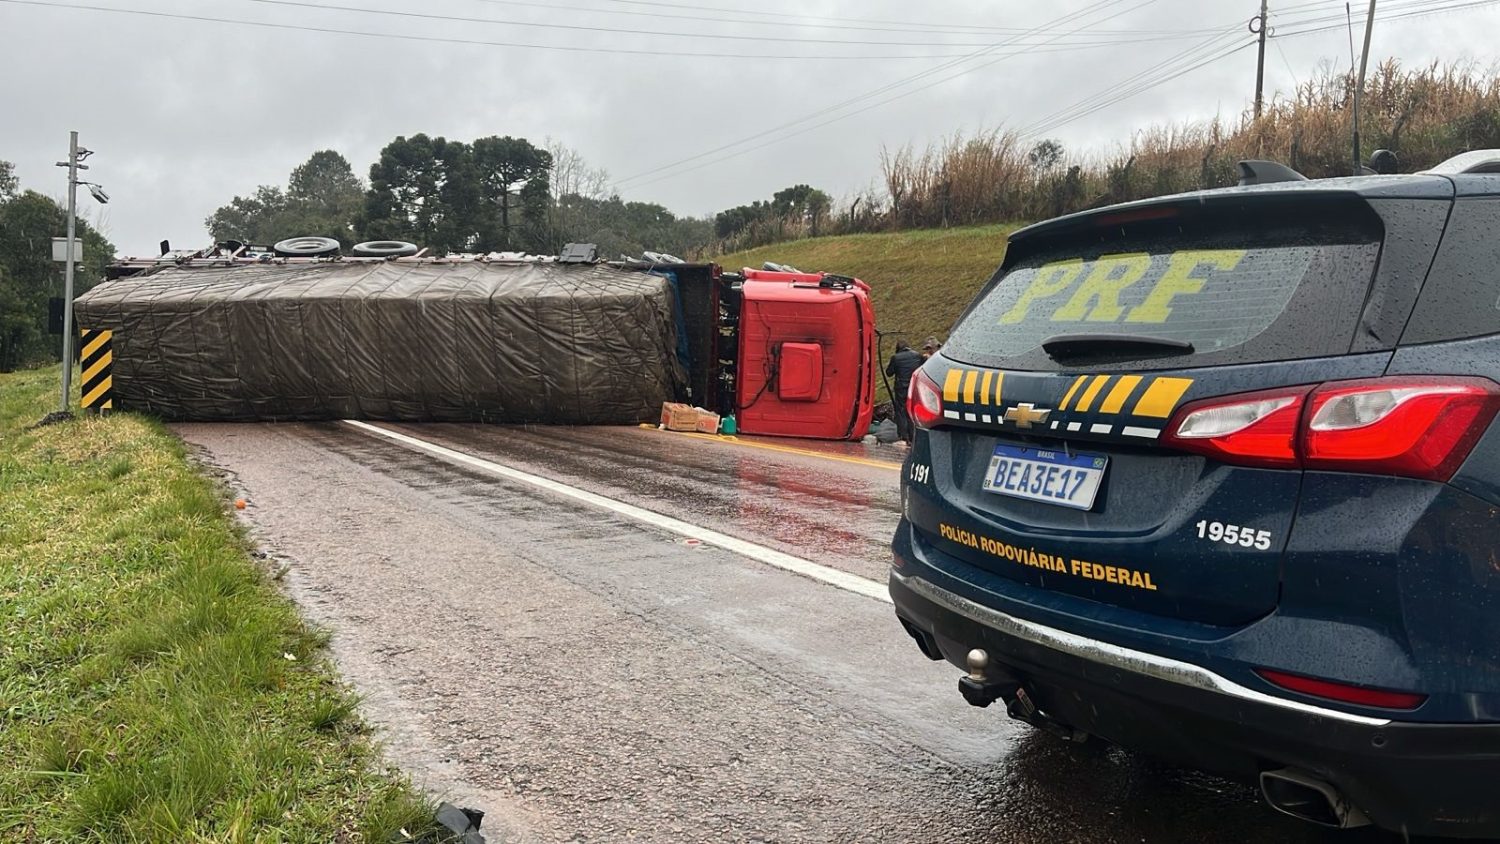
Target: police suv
{"points": [[1216, 477]]}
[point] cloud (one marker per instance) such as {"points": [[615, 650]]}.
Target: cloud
{"points": [[184, 115]]}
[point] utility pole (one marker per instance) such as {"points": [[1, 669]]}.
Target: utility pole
{"points": [[1359, 84], [1258, 26], [76, 155], [73, 166]]}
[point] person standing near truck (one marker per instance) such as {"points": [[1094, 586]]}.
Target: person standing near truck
{"points": [[904, 364]]}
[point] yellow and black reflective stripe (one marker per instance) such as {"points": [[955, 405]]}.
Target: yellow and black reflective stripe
{"points": [[1087, 399], [1072, 391], [97, 359], [1119, 393], [973, 387], [1157, 400], [950, 385], [1161, 397]]}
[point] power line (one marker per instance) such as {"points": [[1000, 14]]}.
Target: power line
{"points": [[1109, 93], [299, 4], [1144, 81], [837, 118], [795, 16], [1414, 13], [855, 99], [569, 48], [842, 24], [1111, 97], [1394, 11], [1287, 62]]}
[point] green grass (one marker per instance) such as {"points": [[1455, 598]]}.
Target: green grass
{"points": [[154, 685], [920, 280]]}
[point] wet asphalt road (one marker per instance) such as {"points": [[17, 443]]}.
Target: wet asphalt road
{"points": [[584, 677]]}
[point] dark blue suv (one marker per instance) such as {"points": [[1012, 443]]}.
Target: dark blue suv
{"points": [[1216, 477]]}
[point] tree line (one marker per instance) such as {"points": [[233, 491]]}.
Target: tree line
{"points": [[495, 194], [28, 275]]}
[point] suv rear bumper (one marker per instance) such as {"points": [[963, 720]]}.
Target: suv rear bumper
{"points": [[1426, 779]]}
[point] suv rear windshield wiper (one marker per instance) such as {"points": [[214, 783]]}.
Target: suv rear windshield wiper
{"points": [[1080, 345]]}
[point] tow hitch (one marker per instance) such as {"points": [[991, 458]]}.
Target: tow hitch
{"points": [[982, 687]]}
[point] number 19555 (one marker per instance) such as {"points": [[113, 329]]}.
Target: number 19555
{"points": [[1234, 535]]}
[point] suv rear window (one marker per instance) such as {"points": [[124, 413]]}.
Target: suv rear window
{"points": [[1249, 291]]}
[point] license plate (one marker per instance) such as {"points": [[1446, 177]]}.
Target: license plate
{"points": [[1051, 477]]}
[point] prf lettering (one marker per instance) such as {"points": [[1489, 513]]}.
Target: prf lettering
{"points": [[1094, 287], [1048, 562]]}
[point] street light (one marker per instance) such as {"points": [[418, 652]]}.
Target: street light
{"points": [[76, 154]]}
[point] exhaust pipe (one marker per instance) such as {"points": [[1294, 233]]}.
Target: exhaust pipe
{"points": [[926, 642], [1309, 798]]}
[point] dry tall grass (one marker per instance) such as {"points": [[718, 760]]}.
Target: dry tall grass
{"points": [[1425, 115]]}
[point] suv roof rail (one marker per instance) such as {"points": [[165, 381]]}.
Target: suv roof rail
{"points": [[1257, 172], [1476, 161]]}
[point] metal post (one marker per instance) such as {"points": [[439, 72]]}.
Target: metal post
{"points": [[1359, 86], [1260, 62], [1364, 56], [67, 370]]}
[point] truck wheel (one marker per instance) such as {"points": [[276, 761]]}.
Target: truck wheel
{"points": [[385, 249], [307, 247]]}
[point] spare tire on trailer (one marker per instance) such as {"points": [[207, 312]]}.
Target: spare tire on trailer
{"points": [[307, 247], [385, 249]]}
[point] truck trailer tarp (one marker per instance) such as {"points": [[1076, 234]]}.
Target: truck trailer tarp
{"points": [[522, 342]]}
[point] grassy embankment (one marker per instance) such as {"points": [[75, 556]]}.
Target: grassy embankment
{"points": [[154, 684], [919, 280]]}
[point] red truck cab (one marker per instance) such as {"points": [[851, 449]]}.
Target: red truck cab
{"points": [[806, 356]]}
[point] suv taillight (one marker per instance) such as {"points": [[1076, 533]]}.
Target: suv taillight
{"points": [[1419, 427], [924, 401]]}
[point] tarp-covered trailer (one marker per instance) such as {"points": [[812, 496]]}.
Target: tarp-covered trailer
{"points": [[411, 339]]}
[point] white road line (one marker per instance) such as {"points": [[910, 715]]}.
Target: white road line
{"points": [[761, 554]]}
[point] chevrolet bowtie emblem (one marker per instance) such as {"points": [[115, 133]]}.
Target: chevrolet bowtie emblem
{"points": [[1025, 415]]}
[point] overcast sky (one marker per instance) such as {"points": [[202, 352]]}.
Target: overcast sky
{"points": [[185, 114]]}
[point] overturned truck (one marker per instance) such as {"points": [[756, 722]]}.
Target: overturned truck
{"points": [[224, 336], [453, 340]]}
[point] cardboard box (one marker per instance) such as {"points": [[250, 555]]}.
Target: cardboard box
{"points": [[676, 416], [708, 423]]}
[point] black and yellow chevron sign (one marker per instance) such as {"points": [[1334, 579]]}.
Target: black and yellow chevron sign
{"points": [[97, 360]]}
